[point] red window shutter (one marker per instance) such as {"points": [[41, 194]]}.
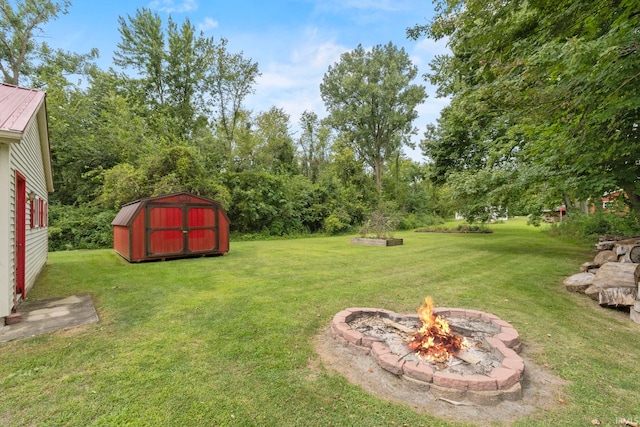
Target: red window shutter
{"points": [[32, 214], [41, 212]]}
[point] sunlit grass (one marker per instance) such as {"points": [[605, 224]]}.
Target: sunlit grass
{"points": [[228, 340]]}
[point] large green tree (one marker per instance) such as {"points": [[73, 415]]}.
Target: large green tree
{"points": [[545, 99], [372, 101], [23, 56], [171, 66], [228, 83], [314, 144], [276, 152], [19, 25]]}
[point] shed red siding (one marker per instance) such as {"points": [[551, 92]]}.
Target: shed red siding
{"points": [[173, 226], [121, 239]]}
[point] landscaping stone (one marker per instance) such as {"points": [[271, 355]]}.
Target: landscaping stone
{"points": [[391, 362], [449, 380], [488, 385], [505, 377], [418, 371]]}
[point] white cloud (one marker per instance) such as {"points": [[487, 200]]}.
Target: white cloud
{"points": [[430, 110], [317, 56], [207, 24], [170, 6], [275, 79], [293, 66], [291, 79]]}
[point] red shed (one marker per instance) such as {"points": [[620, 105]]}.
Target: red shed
{"points": [[177, 225]]}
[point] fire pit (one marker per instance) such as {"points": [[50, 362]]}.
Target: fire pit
{"points": [[456, 354]]}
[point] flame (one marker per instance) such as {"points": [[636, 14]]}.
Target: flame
{"points": [[434, 341]]}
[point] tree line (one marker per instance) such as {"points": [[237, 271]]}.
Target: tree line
{"points": [[545, 102], [544, 110], [169, 116]]}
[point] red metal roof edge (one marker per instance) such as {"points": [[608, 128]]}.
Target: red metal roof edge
{"points": [[17, 106], [126, 214], [178, 193]]}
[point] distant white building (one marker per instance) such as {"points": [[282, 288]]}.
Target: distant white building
{"points": [[25, 181]]}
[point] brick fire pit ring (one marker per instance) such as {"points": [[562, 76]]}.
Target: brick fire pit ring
{"points": [[501, 381]]}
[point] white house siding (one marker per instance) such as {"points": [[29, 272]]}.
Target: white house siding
{"points": [[26, 158]]}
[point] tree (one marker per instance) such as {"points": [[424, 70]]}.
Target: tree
{"points": [[371, 101], [229, 82], [171, 71], [544, 99], [314, 143], [190, 58], [276, 152], [21, 55], [142, 47], [17, 27]]}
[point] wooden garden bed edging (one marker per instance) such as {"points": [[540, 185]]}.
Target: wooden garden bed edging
{"points": [[376, 242]]}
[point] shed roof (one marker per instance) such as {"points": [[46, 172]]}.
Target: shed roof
{"points": [[128, 211]]}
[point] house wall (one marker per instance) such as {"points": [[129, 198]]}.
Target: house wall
{"points": [[26, 158], [7, 270]]}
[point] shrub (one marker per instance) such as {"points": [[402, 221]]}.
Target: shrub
{"points": [[413, 220], [580, 225], [79, 227], [339, 221], [473, 228], [380, 225]]}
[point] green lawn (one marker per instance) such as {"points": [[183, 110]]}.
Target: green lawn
{"points": [[228, 340]]}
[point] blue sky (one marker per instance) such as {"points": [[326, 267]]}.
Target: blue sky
{"points": [[293, 41]]}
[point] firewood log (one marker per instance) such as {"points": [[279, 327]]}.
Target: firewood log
{"points": [[398, 326], [632, 255], [617, 275], [617, 297], [604, 257]]}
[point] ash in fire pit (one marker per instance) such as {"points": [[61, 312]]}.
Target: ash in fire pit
{"points": [[476, 358], [484, 369]]}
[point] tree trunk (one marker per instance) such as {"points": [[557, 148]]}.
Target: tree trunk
{"points": [[584, 207], [629, 254], [633, 198], [378, 173], [567, 201]]}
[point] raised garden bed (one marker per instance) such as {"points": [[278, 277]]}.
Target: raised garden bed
{"points": [[465, 230], [376, 241]]}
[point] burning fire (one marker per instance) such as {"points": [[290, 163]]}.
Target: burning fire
{"points": [[434, 341]]}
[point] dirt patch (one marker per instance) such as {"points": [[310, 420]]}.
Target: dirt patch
{"points": [[540, 389]]}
